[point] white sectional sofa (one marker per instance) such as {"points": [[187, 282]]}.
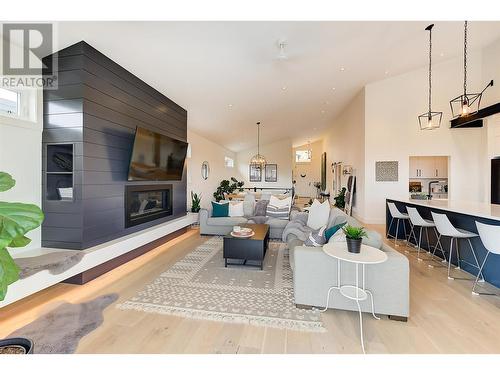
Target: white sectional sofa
{"points": [[314, 273]]}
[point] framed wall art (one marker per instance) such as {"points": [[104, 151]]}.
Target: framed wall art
{"points": [[271, 173]]}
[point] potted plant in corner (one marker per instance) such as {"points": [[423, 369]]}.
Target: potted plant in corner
{"points": [[340, 198], [354, 237], [16, 219], [195, 202]]}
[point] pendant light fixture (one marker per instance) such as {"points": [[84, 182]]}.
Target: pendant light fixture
{"points": [[258, 159], [430, 120], [466, 104]]}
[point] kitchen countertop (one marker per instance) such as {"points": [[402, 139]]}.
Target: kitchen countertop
{"points": [[479, 209]]}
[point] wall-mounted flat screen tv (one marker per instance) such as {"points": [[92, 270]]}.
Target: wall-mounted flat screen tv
{"points": [[156, 157]]}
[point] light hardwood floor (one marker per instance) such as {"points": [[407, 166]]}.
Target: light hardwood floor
{"points": [[445, 318]]}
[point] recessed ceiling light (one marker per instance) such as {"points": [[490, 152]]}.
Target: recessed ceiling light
{"points": [[322, 111], [441, 54], [283, 88], [333, 88], [326, 102], [342, 68], [230, 105], [315, 128], [386, 72]]}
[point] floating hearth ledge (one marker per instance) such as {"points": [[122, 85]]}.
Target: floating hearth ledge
{"points": [[94, 256]]}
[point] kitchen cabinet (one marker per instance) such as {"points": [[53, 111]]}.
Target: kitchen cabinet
{"points": [[441, 166], [428, 167], [414, 167]]}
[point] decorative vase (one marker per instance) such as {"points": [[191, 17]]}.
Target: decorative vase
{"points": [[353, 246]]}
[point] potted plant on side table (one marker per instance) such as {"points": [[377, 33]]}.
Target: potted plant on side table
{"points": [[16, 219], [354, 237]]}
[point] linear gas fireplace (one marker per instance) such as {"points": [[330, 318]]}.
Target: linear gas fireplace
{"points": [[145, 203]]}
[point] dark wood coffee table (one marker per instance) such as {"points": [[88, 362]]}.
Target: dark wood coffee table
{"points": [[252, 248]]}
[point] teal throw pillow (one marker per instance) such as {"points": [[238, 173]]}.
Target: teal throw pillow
{"points": [[332, 230], [220, 209]]}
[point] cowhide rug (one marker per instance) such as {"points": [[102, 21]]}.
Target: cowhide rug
{"points": [[60, 330]]}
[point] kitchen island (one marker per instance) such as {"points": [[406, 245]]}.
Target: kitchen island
{"points": [[462, 214]]}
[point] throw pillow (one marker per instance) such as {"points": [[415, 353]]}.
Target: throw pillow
{"points": [[337, 216], [236, 209], [318, 214], [316, 238], [275, 201], [279, 208], [332, 230], [339, 236], [260, 208], [248, 205], [220, 209]]}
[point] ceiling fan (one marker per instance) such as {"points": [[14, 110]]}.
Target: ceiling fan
{"points": [[282, 55]]}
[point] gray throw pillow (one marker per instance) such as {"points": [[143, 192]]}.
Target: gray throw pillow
{"points": [[316, 238], [336, 217], [260, 208]]}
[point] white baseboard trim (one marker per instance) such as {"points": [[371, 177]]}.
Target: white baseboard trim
{"points": [[93, 257]]}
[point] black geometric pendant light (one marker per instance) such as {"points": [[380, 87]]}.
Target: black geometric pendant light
{"points": [[430, 120], [467, 103]]}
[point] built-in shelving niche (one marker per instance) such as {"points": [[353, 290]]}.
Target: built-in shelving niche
{"points": [[59, 172]]}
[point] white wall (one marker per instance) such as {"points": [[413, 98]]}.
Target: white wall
{"points": [[490, 70], [345, 142], [21, 153], [279, 153], [21, 156], [305, 185], [392, 133], [204, 150]]}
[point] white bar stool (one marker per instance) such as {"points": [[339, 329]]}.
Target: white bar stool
{"points": [[446, 228], [490, 237], [418, 221], [398, 215]]}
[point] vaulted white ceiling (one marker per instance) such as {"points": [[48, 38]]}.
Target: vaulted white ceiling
{"points": [[227, 75]]}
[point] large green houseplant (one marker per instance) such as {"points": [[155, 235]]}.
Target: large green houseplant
{"points": [[16, 219], [227, 187]]}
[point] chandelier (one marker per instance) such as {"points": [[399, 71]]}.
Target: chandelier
{"points": [[258, 159], [430, 120]]}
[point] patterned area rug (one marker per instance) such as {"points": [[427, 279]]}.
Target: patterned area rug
{"points": [[200, 287]]}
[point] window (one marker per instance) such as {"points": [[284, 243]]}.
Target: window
{"points": [[302, 156], [10, 102], [228, 162], [18, 104]]}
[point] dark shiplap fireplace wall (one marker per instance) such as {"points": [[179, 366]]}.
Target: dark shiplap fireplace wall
{"points": [[96, 109]]}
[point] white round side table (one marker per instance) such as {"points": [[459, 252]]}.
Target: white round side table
{"points": [[367, 255]]}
